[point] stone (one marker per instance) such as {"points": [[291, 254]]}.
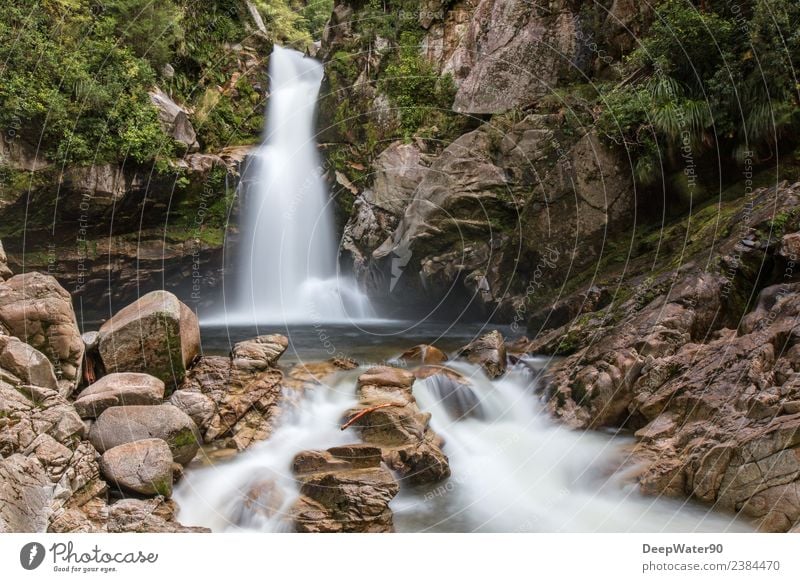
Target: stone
{"points": [[125, 424], [120, 389], [343, 489], [489, 352], [399, 428], [156, 335], [26, 493], [26, 363], [5, 271], [143, 467], [259, 353], [146, 515], [38, 311], [423, 354], [174, 119]]}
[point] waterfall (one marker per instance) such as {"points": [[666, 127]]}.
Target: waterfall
{"points": [[513, 468], [288, 260]]}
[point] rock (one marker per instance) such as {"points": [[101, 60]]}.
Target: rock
{"points": [[236, 398], [5, 272], [125, 424], [174, 119], [489, 352], [29, 411], [26, 493], [26, 363], [423, 354], [146, 515], [401, 430], [259, 353], [120, 389], [156, 335], [38, 311], [315, 372], [343, 489], [263, 498], [143, 467]]}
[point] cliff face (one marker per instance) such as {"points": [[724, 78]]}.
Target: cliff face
{"points": [[461, 166]]}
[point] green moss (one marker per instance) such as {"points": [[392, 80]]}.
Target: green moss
{"points": [[183, 438]]}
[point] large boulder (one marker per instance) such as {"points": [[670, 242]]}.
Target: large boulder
{"points": [[121, 389], [156, 335], [143, 467], [125, 424], [343, 489], [26, 363], [37, 310]]}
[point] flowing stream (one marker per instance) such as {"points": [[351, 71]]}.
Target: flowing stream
{"points": [[513, 468], [288, 259]]}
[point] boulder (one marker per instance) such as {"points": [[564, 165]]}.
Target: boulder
{"points": [[389, 418], [259, 353], [423, 354], [120, 389], [26, 494], [489, 352], [156, 335], [5, 272], [343, 489], [174, 119], [26, 363], [143, 467], [146, 516], [37, 310], [125, 424]]}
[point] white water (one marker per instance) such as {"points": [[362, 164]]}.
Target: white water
{"points": [[513, 469], [288, 264]]}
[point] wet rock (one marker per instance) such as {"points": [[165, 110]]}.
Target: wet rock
{"points": [[343, 489], [394, 422], [453, 392], [125, 424], [264, 498], [143, 467], [38, 311], [237, 397], [146, 515], [156, 335], [315, 372], [26, 363], [423, 354], [489, 352], [121, 389]]}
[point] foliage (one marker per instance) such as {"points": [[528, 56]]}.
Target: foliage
{"points": [[706, 77]]}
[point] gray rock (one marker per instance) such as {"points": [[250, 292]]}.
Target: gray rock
{"points": [[26, 363], [143, 467], [157, 335], [174, 119], [5, 272], [146, 515], [120, 389], [124, 424], [26, 494]]}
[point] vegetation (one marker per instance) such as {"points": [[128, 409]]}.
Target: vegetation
{"points": [[76, 73], [708, 75]]}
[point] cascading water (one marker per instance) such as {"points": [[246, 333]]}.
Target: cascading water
{"points": [[513, 468], [287, 267]]}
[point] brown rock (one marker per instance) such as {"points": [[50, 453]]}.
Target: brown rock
{"points": [[423, 354], [38, 311], [121, 389], [146, 516], [156, 335], [488, 351], [5, 272], [26, 363]]}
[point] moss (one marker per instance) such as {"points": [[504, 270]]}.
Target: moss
{"points": [[183, 438], [163, 486]]}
